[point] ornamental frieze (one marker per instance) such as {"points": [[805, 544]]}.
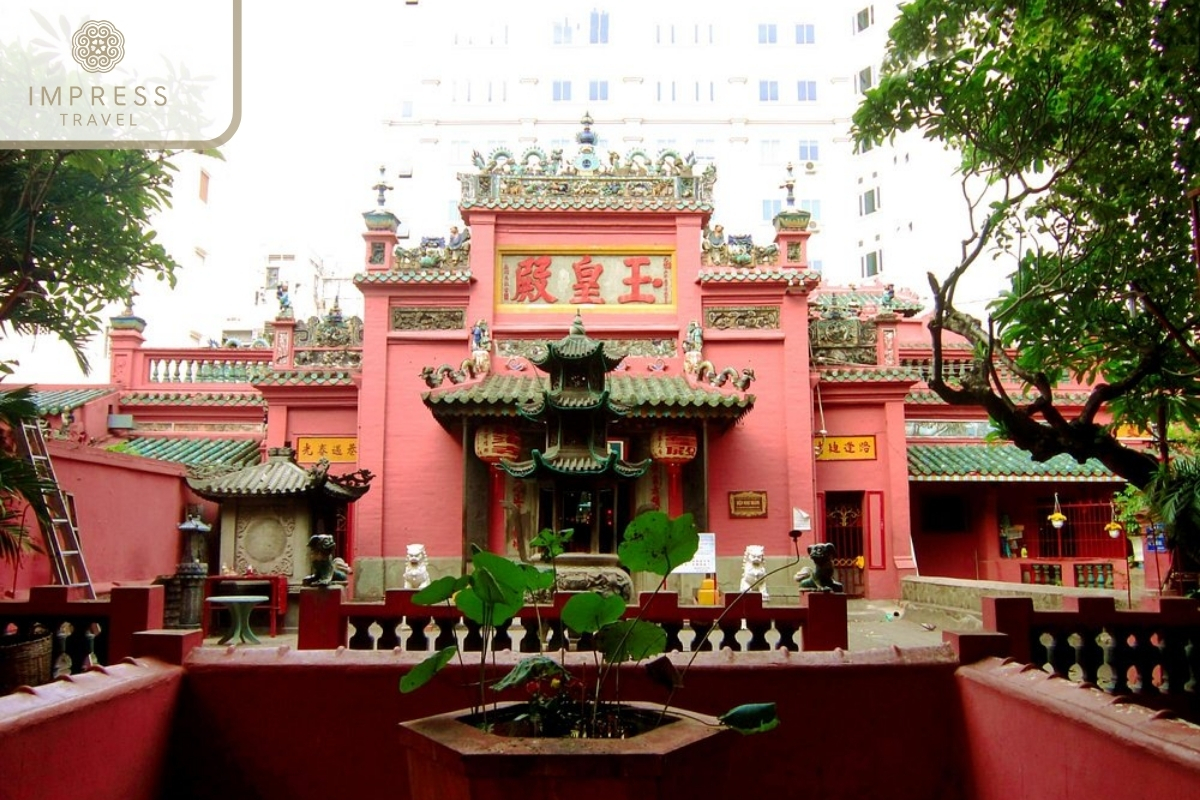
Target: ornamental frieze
{"points": [[652, 348], [742, 318], [843, 341], [428, 319]]}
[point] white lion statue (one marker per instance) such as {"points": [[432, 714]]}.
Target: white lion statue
{"points": [[754, 568], [416, 567]]}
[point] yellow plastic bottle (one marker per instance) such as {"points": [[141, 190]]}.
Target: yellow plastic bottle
{"points": [[707, 596]]}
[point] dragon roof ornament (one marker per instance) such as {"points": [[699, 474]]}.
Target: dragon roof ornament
{"points": [[590, 179]]}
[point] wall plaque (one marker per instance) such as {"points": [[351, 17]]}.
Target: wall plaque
{"points": [[748, 504]]}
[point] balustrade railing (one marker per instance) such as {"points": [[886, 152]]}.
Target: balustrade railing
{"points": [[85, 632], [203, 366], [1153, 655], [327, 621]]}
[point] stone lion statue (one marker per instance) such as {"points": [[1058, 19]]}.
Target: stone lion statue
{"points": [[754, 568], [416, 567], [819, 577]]}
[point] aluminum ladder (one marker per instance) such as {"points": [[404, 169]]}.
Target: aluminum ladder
{"points": [[58, 530]]}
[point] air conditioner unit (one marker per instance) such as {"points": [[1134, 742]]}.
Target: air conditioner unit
{"points": [[813, 225], [810, 167]]}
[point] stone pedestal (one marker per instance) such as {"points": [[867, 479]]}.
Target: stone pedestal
{"points": [[190, 579]]}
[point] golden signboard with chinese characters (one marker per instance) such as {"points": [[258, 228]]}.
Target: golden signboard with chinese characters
{"points": [[334, 449], [748, 505], [599, 280], [847, 448]]}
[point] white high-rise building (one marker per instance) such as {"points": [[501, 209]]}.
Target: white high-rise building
{"points": [[422, 86], [750, 87]]}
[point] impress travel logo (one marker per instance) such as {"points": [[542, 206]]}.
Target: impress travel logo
{"points": [[98, 46], [114, 73]]}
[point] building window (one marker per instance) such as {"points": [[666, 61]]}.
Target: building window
{"points": [[406, 109], [864, 146], [704, 34], [811, 206], [805, 34], [598, 29], [664, 34], [872, 263], [706, 92], [665, 92], [768, 151], [865, 80], [864, 19], [272, 277], [598, 90], [806, 91], [816, 264], [562, 32], [771, 209], [562, 91], [766, 33], [868, 202], [203, 186], [768, 91], [810, 150]]}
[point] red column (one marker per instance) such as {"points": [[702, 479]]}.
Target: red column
{"points": [[674, 489], [496, 542]]}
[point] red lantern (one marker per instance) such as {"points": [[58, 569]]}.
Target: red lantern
{"points": [[496, 443], [673, 446]]}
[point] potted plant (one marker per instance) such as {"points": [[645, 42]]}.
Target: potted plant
{"points": [[631, 749], [24, 656]]}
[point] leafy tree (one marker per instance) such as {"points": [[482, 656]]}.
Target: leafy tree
{"points": [[1078, 124], [74, 235]]}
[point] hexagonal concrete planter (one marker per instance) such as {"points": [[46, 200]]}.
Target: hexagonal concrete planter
{"points": [[449, 759]]}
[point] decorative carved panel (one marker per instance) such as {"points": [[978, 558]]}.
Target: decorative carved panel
{"points": [[264, 539], [653, 348], [429, 319], [742, 318], [843, 341]]}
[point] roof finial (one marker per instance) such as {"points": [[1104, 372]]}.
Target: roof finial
{"points": [[382, 186], [586, 136], [789, 184]]}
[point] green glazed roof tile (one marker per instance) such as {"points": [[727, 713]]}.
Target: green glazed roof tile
{"points": [[56, 401], [414, 276], [191, 451], [868, 374], [648, 397], [304, 377], [223, 399], [756, 275], [1001, 462]]}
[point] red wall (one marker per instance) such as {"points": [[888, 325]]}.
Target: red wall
{"points": [[273, 723], [296, 724], [1033, 736], [128, 508], [97, 736]]}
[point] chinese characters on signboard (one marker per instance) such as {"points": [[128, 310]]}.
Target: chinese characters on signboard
{"points": [[748, 504], [623, 280], [334, 449], [847, 448]]}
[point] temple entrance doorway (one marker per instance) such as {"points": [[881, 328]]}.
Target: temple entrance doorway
{"points": [[844, 527]]}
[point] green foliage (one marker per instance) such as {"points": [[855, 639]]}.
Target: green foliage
{"points": [[751, 718], [590, 611], [494, 592], [19, 482], [656, 543], [550, 543], [630, 640], [423, 673], [1078, 125], [74, 235]]}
